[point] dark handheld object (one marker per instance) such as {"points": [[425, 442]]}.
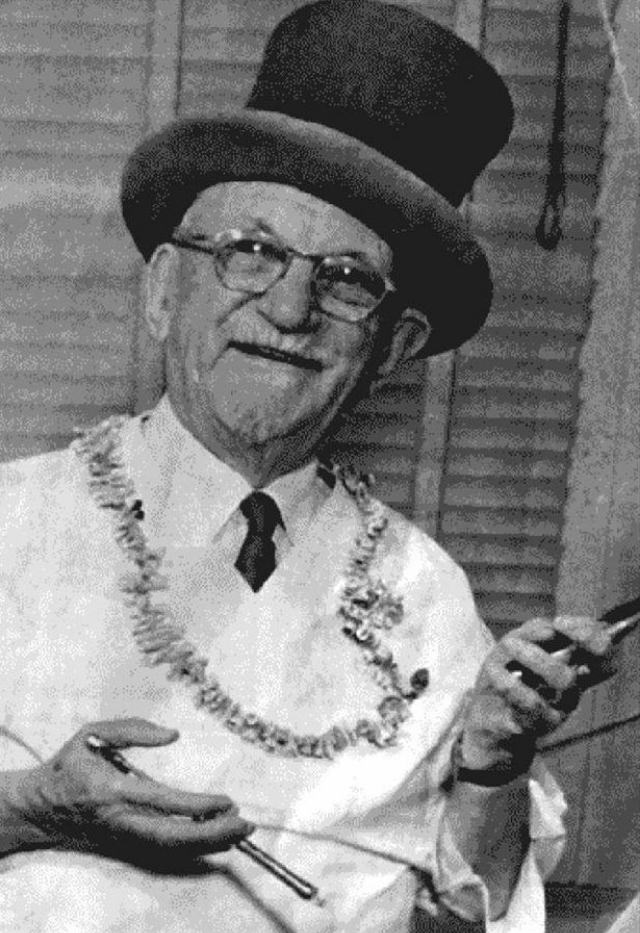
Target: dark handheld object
{"points": [[629, 612], [622, 620], [303, 888]]}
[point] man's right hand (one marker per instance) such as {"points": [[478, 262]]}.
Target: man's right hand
{"points": [[79, 800]]}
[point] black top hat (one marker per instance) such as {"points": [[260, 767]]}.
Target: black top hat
{"points": [[369, 106]]}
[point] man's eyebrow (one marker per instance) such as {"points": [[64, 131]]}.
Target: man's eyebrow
{"points": [[195, 228], [365, 256]]}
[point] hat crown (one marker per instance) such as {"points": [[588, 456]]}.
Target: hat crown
{"points": [[393, 79], [368, 106]]}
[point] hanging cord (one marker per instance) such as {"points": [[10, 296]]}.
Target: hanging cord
{"points": [[549, 229], [589, 734], [14, 737]]}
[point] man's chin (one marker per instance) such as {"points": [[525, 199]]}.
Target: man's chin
{"points": [[254, 428]]}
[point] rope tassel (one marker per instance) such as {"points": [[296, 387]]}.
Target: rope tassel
{"points": [[549, 228]]}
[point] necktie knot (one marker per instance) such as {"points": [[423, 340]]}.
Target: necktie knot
{"points": [[257, 558], [262, 513]]}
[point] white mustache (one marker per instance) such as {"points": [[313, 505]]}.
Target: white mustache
{"points": [[296, 353]]}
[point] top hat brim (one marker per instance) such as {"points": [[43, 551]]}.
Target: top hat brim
{"points": [[439, 267]]}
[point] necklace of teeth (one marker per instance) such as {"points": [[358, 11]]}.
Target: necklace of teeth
{"points": [[367, 608]]}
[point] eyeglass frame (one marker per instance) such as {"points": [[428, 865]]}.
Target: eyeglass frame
{"points": [[212, 248]]}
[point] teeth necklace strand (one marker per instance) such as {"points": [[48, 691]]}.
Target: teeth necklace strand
{"points": [[366, 609]]}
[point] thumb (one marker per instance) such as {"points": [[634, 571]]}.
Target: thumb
{"points": [[124, 733]]}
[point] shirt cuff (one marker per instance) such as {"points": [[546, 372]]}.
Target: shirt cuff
{"points": [[464, 893]]}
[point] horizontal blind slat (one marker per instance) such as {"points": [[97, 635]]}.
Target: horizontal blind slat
{"points": [[73, 39], [504, 612], [526, 465], [501, 522], [494, 492], [101, 89], [509, 436], [54, 137], [520, 581], [495, 550], [76, 11]]}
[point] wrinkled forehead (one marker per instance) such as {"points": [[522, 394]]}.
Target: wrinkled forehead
{"points": [[303, 220]]}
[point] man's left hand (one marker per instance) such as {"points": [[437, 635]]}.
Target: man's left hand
{"points": [[523, 692]]}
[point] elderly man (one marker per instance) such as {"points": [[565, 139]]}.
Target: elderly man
{"points": [[351, 712]]}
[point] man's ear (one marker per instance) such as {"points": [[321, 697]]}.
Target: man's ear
{"points": [[161, 284], [408, 338]]}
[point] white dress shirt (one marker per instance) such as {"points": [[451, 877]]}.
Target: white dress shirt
{"points": [[364, 827]]}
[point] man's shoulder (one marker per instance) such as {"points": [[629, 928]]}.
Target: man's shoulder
{"points": [[406, 550], [30, 485], [44, 468], [51, 471], [33, 488], [405, 537]]}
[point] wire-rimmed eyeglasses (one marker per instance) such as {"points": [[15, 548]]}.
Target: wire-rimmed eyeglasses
{"points": [[345, 286]]}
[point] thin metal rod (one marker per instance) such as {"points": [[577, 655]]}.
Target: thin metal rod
{"points": [[303, 889]]}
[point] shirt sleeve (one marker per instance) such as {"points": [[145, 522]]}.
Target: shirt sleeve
{"points": [[440, 597], [464, 893]]}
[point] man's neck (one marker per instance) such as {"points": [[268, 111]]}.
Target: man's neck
{"points": [[259, 464]]}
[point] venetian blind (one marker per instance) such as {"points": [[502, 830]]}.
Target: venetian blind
{"points": [[222, 46], [515, 390], [72, 105]]}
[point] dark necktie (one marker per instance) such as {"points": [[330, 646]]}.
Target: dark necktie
{"points": [[257, 558]]}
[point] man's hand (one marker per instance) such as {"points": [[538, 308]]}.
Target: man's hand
{"points": [[79, 800], [522, 692]]}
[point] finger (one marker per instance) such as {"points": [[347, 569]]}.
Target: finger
{"points": [[547, 670], [588, 634], [594, 651], [168, 800], [537, 630], [125, 733], [197, 838], [530, 711], [550, 687]]}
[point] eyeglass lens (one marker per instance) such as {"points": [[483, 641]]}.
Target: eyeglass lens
{"points": [[344, 285]]}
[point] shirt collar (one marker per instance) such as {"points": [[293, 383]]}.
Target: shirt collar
{"points": [[177, 454]]}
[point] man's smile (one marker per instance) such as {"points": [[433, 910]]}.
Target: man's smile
{"points": [[273, 353]]}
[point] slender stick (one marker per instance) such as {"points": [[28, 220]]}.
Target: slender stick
{"points": [[302, 888]]}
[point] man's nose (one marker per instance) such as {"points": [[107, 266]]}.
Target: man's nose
{"points": [[289, 303]]}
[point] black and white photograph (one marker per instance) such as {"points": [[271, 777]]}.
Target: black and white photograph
{"points": [[319, 466]]}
